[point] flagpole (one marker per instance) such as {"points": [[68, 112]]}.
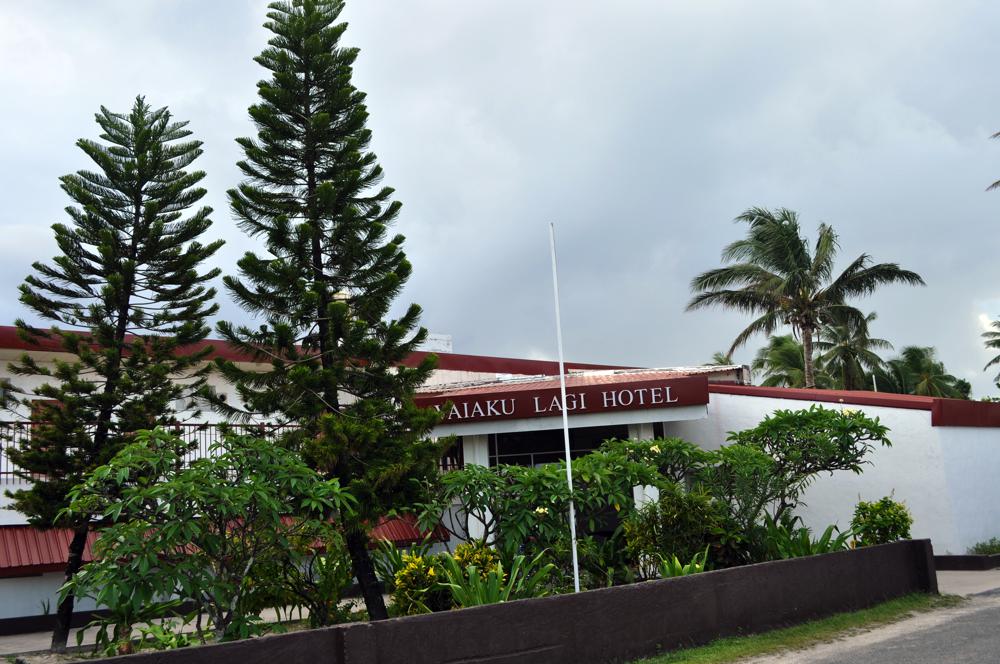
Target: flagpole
{"points": [[565, 415]]}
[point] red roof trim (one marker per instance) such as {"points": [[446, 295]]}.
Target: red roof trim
{"points": [[447, 361], [961, 413], [828, 396], [944, 412]]}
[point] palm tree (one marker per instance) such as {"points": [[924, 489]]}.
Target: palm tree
{"points": [[720, 359], [993, 341], [781, 362], [918, 371], [848, 352], [995, 185], [776, 276]]}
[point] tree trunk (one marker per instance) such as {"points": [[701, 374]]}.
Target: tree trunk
{"points": [[64, 616], [807, 356], [371, 589]]}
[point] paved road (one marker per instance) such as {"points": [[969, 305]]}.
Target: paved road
{"points": [[969, 632]]}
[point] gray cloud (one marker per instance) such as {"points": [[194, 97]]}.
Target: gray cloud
{"points": [[641, 129]]}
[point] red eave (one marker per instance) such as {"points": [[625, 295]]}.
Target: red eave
{"points": [[944, 412], [446, 361]]}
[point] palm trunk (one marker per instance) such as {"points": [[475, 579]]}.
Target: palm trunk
{"points": [[64, 615], [371, 589], [807, 356]]}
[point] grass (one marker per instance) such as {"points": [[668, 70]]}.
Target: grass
{"points": [[733, 649]]}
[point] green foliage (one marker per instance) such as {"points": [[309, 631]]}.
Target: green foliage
{"points": [[388, 559], [787, 541], [316, 583], [743, 479], [163, 636], [881, 521], [525, 510], [671, 566], [917, 370], [483, 558], [325, 283], [674, 459], [473, 586], [679, 523], [776, 275], [987, 548], [780, 363], [418, 586], [805, 443], [213, 533], [122, 298], [848, 352]]}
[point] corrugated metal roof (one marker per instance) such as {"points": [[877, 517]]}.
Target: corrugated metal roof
{"points": [[578, 379], [403, 531], [26, 550]]}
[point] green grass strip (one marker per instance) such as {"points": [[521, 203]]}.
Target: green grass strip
{"points": [[735, 648]]}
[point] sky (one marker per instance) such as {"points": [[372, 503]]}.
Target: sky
{"points": [[640, 129]]}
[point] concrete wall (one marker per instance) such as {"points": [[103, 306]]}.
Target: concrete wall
{"points": [[612, 624], [947, 476]]}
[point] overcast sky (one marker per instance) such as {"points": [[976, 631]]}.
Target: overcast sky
{"points": [[640, 128]]}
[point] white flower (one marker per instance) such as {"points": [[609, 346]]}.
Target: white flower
{"points": [[541, 510]]}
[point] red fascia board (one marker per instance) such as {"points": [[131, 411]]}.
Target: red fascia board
{"points": [[962, 413], [944, 412], [858, 398], [30, 570], [446, 361]]}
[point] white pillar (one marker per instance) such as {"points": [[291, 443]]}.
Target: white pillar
{"points": [[476, 451], [643, 494]]}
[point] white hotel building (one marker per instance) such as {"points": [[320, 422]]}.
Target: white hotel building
{"points": [[944, 461]]}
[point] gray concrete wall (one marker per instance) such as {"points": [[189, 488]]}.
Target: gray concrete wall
{"points": [[612, 624]]}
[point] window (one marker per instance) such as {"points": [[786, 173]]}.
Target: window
{"points": [[534, 448]]}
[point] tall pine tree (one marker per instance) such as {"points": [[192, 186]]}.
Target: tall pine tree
{"points": [[329, 277], [124, 298]]}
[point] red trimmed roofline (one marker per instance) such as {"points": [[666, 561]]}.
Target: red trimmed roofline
{"points": [[446, 361], [944, 412]]}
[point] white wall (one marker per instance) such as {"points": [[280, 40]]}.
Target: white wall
{"points": [[947, 476], [24, 596]]}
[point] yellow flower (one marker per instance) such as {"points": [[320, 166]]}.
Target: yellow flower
{"points": [[618, 508], [654, 448], [541, 510]]}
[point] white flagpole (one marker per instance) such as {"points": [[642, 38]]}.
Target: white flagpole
{"points": [[565, 415]]}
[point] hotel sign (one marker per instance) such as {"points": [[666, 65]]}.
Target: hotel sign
{"points": [[523, 401]]}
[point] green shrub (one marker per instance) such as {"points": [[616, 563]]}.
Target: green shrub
{"points": [[219, 533], [881, 522], [469, 586], [672, 566], [987, 548], [679, 524], [482, 557], [418, 586], [787, 541], [387, 559]]}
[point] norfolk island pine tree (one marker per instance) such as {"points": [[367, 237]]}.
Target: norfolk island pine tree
{"points": [[128, 299], [324, 289]]}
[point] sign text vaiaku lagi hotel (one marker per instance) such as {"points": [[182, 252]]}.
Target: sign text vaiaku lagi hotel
{"points": [[525, 400]]}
